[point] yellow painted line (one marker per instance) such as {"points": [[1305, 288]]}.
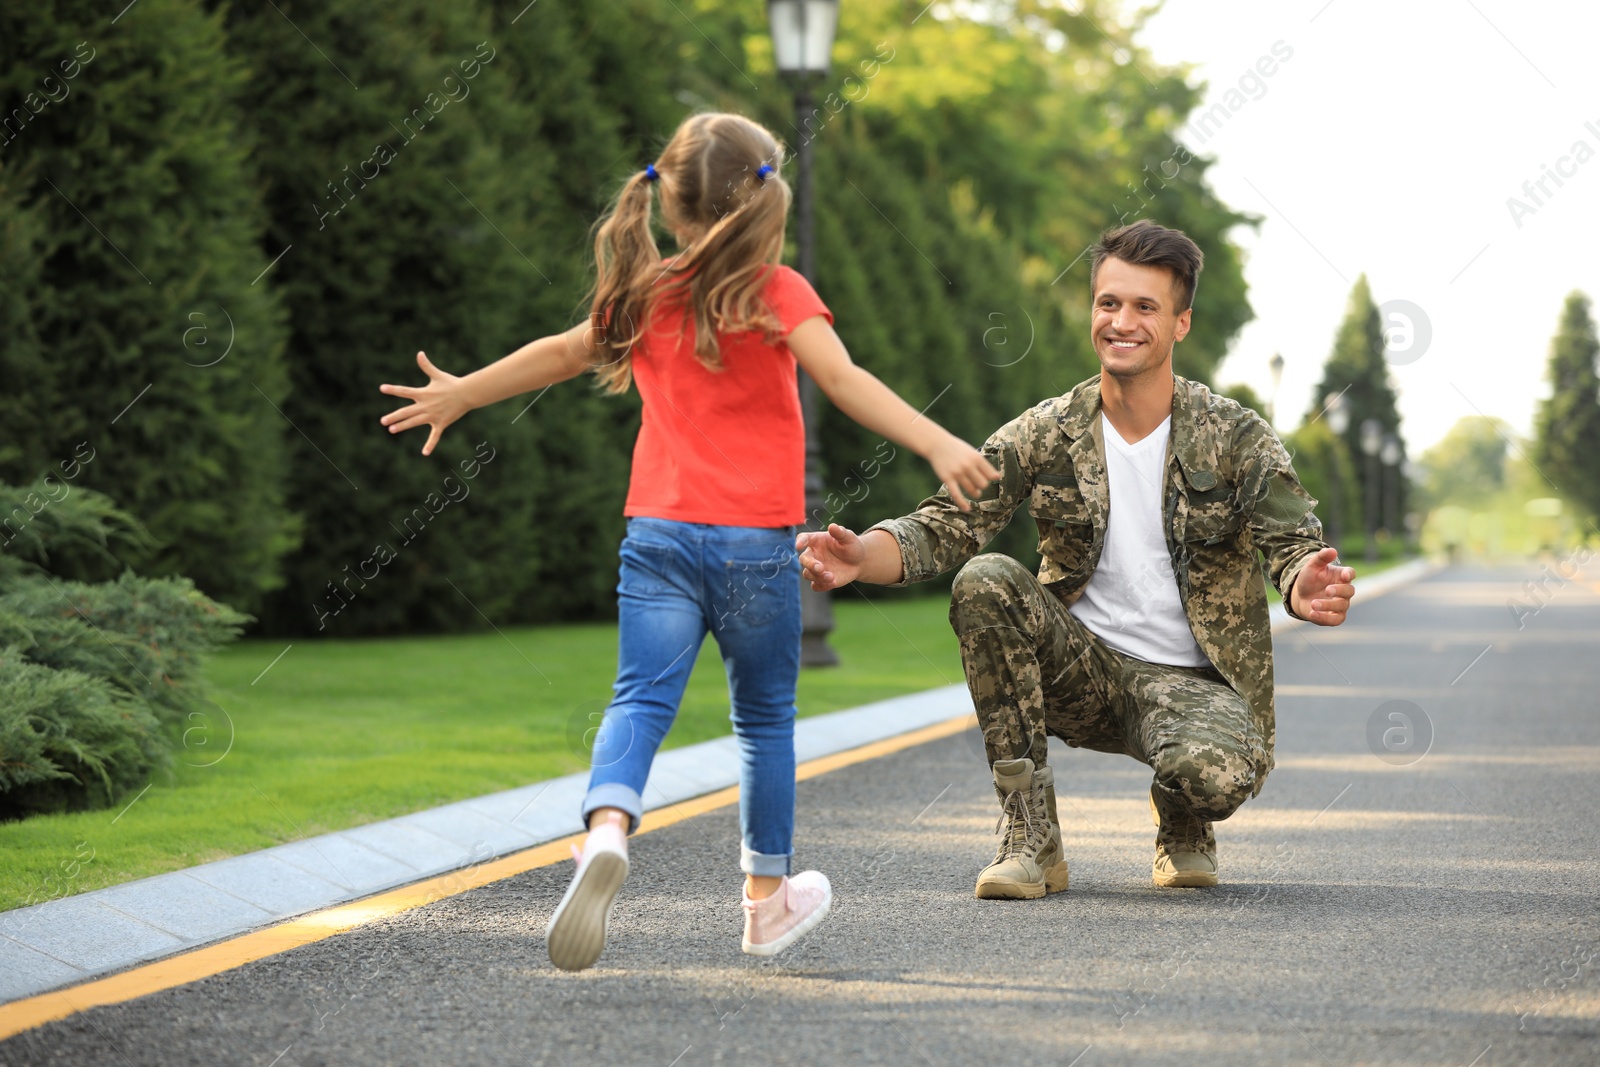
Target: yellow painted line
{"points": [[187, 967]]}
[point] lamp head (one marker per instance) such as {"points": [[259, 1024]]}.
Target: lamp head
{"points": [[1371, 436], [802, 35], [1338, 414]]}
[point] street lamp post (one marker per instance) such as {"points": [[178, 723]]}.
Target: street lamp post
{"points": [[1412, 473], [1390, 455], [1276, 366], [1371, 443], [802, 46], [1338, 422]]}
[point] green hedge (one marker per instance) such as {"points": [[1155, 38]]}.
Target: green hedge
{"points": [[133, 341], [333, 186]]}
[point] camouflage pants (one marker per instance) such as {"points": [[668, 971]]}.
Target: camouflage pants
{"points": [[1034, 670]]}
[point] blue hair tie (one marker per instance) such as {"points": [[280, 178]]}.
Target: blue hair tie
{"points": [[650, 173], [764, 171]]}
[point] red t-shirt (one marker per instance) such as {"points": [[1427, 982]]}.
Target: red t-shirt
{"points": [[727, 447]]}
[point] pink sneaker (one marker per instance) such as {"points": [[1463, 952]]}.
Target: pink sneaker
{"points": [[577, 932], [776, 922]]}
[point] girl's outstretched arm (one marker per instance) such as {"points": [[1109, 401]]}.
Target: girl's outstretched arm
{"points": [[858, 393], [446, 397]]}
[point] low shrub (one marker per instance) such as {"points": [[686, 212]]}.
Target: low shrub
{"points": [[96, 676]]}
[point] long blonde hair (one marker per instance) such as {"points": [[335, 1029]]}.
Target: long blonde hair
{"points": [[719, 184]]}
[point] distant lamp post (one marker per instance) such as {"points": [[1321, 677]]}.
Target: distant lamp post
{"points": [[802, 46], [1371, 445], [1338, 422], [1413, 473], [1390, 455], [1276, 365]]}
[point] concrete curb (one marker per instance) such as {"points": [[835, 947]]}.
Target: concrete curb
{"points": [[62, 942]]}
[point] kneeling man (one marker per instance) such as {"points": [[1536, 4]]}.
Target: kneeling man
{"points": [[1145, 631]]}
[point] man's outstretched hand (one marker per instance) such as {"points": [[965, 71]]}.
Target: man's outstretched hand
{"points": [[1322, 590], [830, 558]]}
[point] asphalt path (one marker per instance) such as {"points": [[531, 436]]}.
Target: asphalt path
{"points": [[1413, 890]]}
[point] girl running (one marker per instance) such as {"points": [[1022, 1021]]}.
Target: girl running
{"points": [[711, 336]]}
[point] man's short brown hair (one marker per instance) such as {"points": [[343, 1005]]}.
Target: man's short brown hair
{"points": [[1149, 244]]}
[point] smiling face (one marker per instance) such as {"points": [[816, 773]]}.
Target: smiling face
{"points": [[1136, 318]]}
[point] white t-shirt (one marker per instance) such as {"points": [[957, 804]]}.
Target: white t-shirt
{"points": [[1131, 601]]}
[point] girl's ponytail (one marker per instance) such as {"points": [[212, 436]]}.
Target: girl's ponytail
{"points": [[626, 262], [722, 195], [726, 270]]}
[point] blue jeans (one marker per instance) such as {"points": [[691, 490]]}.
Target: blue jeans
{"points": [[742, 585]]}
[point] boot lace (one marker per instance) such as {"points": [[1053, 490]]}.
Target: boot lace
{"points": [[1183, 835], [1022, 830]]}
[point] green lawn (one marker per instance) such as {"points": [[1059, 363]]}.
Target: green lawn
{"points": [[338, 733]]}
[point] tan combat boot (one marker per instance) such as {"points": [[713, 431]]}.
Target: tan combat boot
{"points": [[1186, 849], [1044, 778], [1029, 862]]}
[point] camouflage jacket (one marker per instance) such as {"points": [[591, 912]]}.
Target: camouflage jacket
{"points": [[1230, 490]]}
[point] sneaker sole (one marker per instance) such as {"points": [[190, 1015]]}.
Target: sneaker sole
{"points": [[577, 932], [809, 923]]}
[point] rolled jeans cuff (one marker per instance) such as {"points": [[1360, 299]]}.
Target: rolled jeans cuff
{"points": [[761, 864], [614, 795]]}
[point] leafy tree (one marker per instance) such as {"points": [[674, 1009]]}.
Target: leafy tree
{"points": [[1060, 125], [1246, 396], [1468, 465], [1567, 427], [131, 327]]}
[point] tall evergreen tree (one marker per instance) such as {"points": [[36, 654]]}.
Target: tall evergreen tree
{"points": [[130, 327], [1567, 427], [1358, 371], [445, 206], [396, 233]]}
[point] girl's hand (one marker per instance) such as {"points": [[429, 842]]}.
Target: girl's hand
{"points": [[962, 469], [437, 404]]}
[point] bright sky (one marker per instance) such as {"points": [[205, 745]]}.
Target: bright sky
{"points": [[1389, 143]]}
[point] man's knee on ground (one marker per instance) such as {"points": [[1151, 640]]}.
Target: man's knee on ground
{"points": [[1211, 786], [988, 591]]}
